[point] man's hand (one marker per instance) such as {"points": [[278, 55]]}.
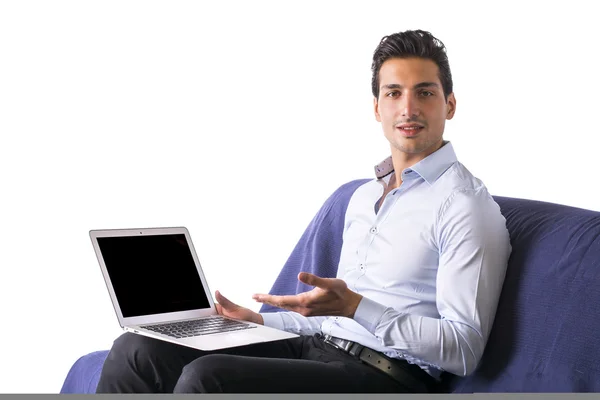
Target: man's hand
{"points": [[329, 297], [229, 309]]}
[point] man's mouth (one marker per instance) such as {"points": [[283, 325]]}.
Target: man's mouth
{"points": [[410, 130]]}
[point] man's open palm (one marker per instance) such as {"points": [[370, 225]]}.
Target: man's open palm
{"points": [[329, 297]]}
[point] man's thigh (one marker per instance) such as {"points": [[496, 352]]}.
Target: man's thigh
{"points": [[317, 370], [140, 364]]}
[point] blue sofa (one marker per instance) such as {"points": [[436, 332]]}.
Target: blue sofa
{"points": [[544, 337]]}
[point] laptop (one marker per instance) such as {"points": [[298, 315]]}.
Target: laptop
{"points": [[158, 289]]}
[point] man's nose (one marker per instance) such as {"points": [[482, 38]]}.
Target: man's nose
{"points": [[410, 106]]}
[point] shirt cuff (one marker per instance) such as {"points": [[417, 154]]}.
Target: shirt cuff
{"points": [[273, 320], [369, 313]]}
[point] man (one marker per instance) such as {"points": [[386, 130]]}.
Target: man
{"points": [[423, 260]]}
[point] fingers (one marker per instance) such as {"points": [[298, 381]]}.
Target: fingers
{"points": [[300, 303], [286, 302], [263, 298], [313, 280], [224, 301]]}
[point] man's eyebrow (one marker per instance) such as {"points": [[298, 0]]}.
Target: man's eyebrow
{"points": [[417, 86]]}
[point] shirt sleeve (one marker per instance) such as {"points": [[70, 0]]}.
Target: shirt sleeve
{"points": [[474, 248], [293, 322]]}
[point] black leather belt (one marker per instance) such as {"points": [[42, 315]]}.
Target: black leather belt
{"points": [[409, 375]]}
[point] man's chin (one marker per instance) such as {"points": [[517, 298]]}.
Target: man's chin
{"points": [[410, 148], [414, 149]]}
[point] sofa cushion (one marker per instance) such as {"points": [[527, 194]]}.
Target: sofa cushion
{"points": [[84, 375]]}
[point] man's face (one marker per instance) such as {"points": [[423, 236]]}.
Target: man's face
{"points": [[411, 106]]}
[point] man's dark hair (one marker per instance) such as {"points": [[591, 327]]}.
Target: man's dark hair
{"points": [[407, 44]]}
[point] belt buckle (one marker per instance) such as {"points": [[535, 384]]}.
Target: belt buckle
{"points": [[338, 343], [346, 346]]}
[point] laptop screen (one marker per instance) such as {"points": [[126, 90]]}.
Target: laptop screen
{"points": [[152, 274]]}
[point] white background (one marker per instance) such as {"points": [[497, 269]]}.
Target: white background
{"points": [[237, 120]]}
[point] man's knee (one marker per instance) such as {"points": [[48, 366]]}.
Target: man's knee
{"points": [[129, 345], [206, 374], [128, 350]]}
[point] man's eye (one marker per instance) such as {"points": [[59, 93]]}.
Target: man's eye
{"points": [[426, 93], [393, 94]]}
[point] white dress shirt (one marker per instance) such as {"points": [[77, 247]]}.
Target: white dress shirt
{"points": [[430, 264]]}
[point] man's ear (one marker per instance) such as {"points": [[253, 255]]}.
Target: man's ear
{"points": [[376, 109], [451, 105]]}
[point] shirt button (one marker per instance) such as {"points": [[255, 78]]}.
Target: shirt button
{"points": [[374, 230]]}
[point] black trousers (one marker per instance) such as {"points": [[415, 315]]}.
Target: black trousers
{"points": [[138, 364]]}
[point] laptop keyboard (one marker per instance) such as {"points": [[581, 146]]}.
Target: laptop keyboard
{"points": [[199, 327]]}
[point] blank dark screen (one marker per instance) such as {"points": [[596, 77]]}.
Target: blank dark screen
{"points": [[152, 274]]}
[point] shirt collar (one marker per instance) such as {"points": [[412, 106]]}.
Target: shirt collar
{"points": [[430, 168]]}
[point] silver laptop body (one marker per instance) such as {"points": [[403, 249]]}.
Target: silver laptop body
{"points": [[155, 281]]}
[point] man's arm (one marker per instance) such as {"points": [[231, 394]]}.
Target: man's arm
{"points": [[293, 322], [474, 248]]}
